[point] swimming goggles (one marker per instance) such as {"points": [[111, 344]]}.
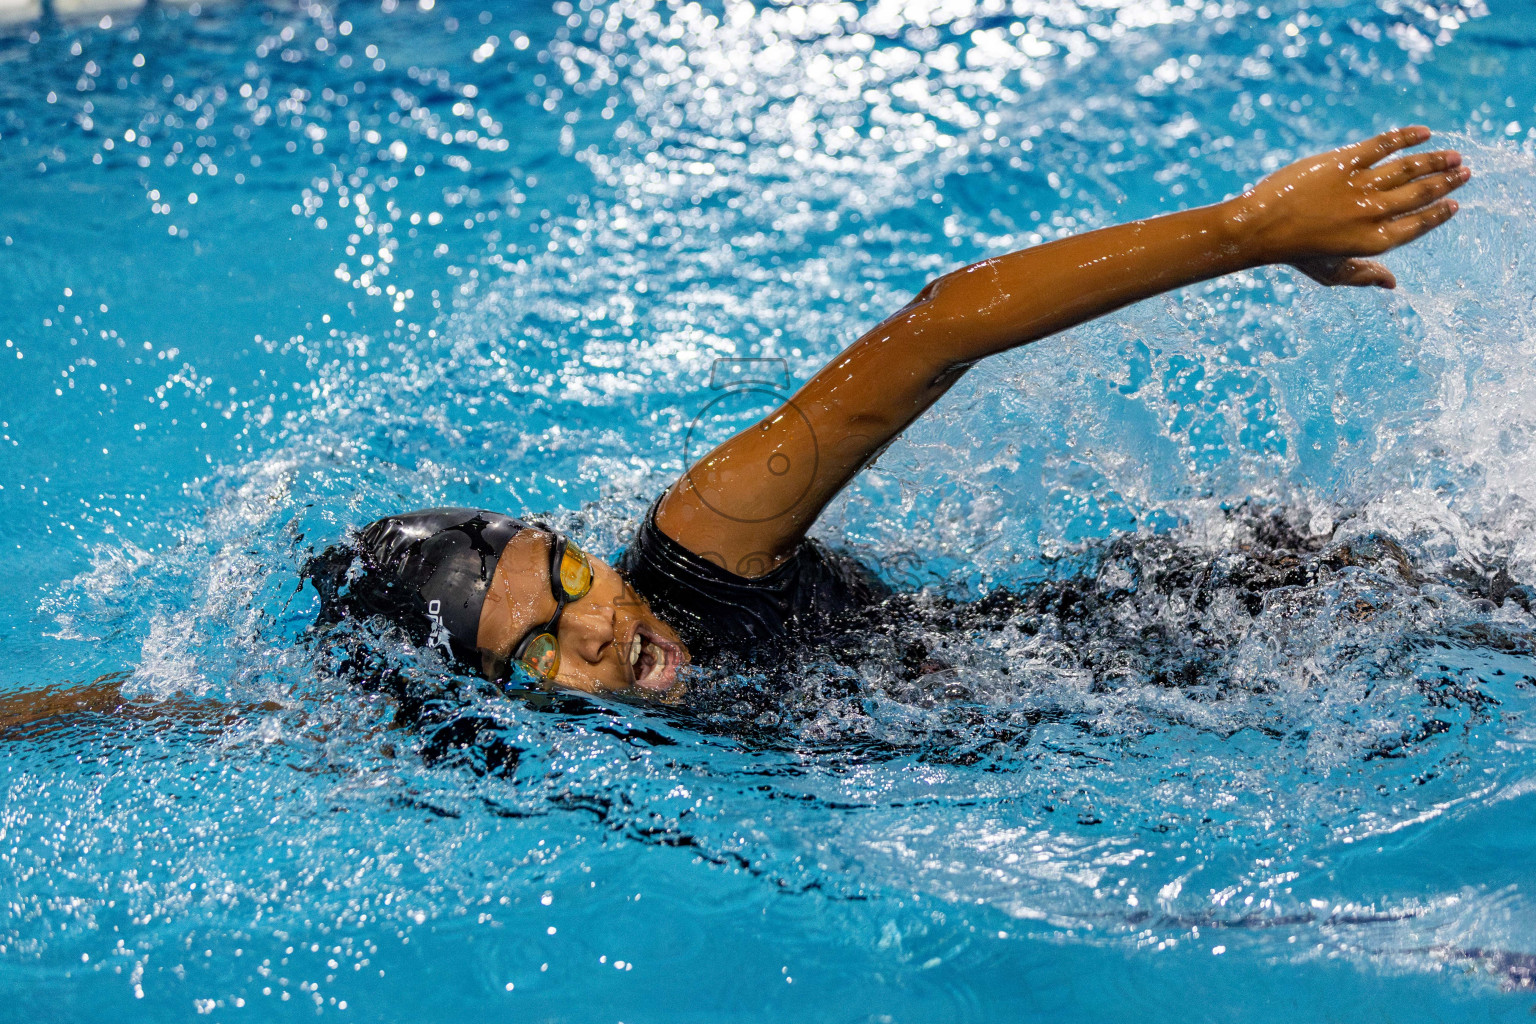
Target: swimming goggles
{"points": [[570, 579]]}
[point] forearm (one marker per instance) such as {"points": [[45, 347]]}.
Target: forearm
{"points": [[25, 714], [888, 378], [1011, 300], [1320, 214]]}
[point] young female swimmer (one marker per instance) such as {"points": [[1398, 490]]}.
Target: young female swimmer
{"points": [[722, 566]]}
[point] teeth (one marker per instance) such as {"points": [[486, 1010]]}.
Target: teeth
{"points": [[634, 649]]}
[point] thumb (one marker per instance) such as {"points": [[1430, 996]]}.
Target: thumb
{"points": [[1364, 274]]}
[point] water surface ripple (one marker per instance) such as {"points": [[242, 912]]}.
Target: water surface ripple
{"points": [[1234, 587]]}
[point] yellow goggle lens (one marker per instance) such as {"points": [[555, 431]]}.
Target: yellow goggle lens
{"points": [[575, 572], [542, 658]]}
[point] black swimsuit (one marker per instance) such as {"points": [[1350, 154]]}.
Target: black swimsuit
{"points": [[717, 612]]}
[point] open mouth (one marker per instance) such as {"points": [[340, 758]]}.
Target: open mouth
{"points": [[653, 661]]}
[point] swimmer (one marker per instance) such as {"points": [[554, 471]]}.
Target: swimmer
{"points": [[721, 566]]}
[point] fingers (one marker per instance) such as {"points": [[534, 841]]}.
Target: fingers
{"points": [[1363, 154], [1405, 169], [1405, 229], [1424, 191]]}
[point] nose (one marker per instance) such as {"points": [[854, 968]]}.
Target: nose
{"points": [[586, 627]]}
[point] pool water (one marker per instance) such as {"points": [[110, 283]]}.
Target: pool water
{"points": [[273, 270]]}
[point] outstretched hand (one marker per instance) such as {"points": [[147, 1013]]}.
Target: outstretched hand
{"points": [[1322, 214]]}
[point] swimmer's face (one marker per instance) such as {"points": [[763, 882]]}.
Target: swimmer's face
{"points": [[610, 640]]}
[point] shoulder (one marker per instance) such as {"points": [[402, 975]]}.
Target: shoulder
{"points": [[716, 609], [654, 552]]}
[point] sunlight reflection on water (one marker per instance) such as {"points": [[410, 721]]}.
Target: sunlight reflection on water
{"points": [[489, 254]]}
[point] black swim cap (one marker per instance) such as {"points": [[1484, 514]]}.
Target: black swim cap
{"points": [[429, 572]]}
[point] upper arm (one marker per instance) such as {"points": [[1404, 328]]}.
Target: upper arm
{"points": [[748, 503]]}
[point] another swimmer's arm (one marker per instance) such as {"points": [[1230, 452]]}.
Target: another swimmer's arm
{"points": [[750, 501]]}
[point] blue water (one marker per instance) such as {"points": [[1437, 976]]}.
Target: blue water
{"points": [[272, 270]]}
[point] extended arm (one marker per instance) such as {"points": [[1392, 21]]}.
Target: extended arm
{"points": [[32, 713], [749, 502]]}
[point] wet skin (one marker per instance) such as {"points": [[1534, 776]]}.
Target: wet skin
{"points": [[596, 632], [748, 504], [29, 715]]}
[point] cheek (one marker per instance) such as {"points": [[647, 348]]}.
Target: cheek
{"points": [[661, 626], [632, 604]]}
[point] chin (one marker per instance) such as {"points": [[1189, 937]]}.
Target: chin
{"points": [[624, 688]]}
